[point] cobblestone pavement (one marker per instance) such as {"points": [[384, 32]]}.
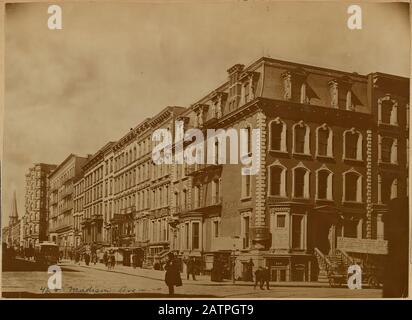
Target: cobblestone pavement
{"points": [[96, 281]]}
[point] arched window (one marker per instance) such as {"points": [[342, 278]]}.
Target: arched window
{"points": [[300, 181], [277, 135], [388, 110], [352, 144], [277, 180], [324, 141], [387, 188], [324, 184], [388, 149], [352, 186], [301, 137]]}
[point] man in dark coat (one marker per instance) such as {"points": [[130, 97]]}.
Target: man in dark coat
{"points": [[172, 276], [258, 277], [265, 277], [87, 258]]}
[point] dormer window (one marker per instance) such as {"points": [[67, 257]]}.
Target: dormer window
{"points": [[248, 86], [218, 102], [334, 95], [287, 85], [200, 111]]}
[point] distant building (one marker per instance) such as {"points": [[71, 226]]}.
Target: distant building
{"points": [[5, 235], [88, 195], [35, 220], [11, 234], [61, 221]]}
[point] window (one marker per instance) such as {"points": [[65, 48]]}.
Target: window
{"points": [[301, 138], [324, 184], [216, 191], [386, 149], [276, 181], [297, 232], [277, 137], [246, 179], [280, 221], [350, 228], [388, 110], [185, 199], [275, 185], [249, 139], [246, 229], [324, 139], [216, 228], [195, 235], [187, 235], [323, 143], [353, 145], [387, 188], [300, 181], [197, 197], [352, 186]]}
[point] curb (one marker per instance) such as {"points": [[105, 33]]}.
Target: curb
{"points": [[326, 285]]}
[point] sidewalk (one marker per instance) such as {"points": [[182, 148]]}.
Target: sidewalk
{"points": [[200, 279]]}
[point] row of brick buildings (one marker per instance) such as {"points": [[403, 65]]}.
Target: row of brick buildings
{"points": [[333, 151]]}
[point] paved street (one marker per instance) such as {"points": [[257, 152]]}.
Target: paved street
{"points": [[96, 281]]}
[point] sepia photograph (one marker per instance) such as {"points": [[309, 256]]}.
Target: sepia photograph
{"points": [[205, 150]]}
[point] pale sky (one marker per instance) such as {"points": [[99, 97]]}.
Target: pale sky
{"points": [[73, 90]]}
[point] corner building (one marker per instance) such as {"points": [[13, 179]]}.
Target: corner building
{"points": [[333, 152]]}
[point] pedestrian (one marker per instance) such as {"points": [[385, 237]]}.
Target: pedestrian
{"points": [[112, 261], [191, 268], [258, 277], [94, 258], [77, 257], [105, 258], [250, 270], [265, 278], [172, 276], [87, 258]]}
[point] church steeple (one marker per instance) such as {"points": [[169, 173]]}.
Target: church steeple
{"points": [[14, 216]]}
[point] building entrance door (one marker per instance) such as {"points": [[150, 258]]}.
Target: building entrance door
{"points": [[324, 232]]}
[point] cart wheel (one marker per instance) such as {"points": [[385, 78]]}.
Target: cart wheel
{"points": [[373, 282]]}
